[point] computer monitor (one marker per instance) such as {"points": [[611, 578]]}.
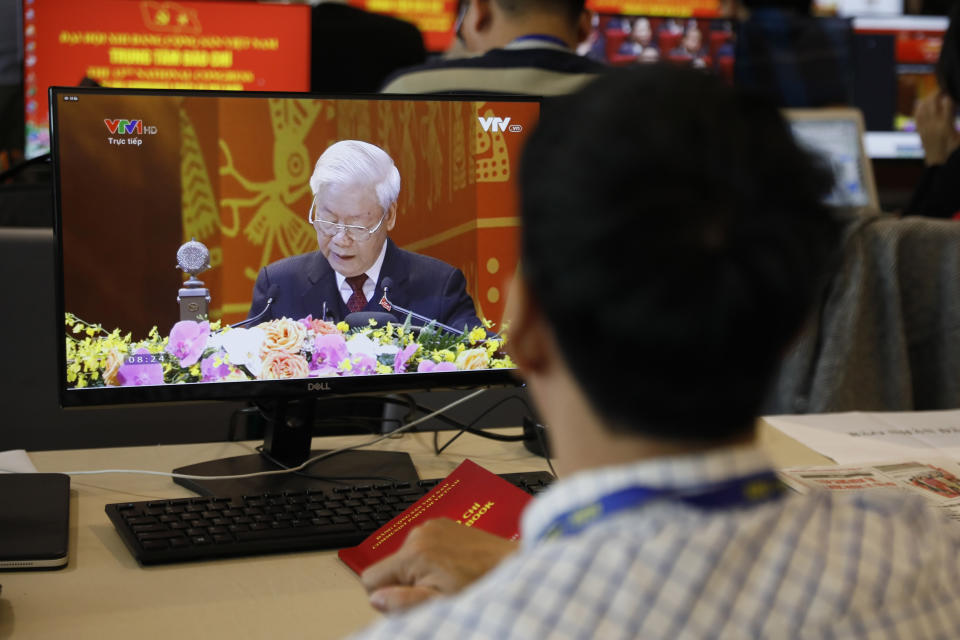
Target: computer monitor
{"points": [[142, 177], [895, 68], [159, 44], [836, 135], [797, 61], [619, 39]]}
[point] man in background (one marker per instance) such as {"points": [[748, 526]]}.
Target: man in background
{"points": [[648, 357], [527, 46]]}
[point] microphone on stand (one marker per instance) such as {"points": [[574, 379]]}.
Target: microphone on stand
{"points": [[193, 258], [272, 292], [389, 306]]}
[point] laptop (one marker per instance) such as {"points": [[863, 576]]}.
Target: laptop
{"points": [[836, 134], [34, 520]]}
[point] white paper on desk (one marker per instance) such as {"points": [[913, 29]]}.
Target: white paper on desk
{"points": [[858, 437], [16, 461]]}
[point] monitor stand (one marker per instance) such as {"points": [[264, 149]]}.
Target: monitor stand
{"points": [[287, 440]]}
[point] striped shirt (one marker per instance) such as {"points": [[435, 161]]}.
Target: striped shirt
{"points": [[863, 565], [523, 67]]}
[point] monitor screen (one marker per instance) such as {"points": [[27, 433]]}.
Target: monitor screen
{"points": [[416, 192], [631, 39], [158, 44], [144, 179], [796, 61], [836, 135], [899, 56]]}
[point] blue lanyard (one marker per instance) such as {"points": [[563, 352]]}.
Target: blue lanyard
{"points": [[745, 491], [543, 38]]}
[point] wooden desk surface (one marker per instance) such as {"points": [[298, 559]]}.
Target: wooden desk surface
{"points": [[103, 593]]}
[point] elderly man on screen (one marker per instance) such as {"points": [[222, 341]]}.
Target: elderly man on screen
{"points": [[355, 186]]}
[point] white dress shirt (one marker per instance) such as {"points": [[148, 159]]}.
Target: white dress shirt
{"points": [[373, 275], [863, 565]]}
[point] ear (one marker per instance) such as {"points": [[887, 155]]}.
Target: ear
{"points": [[584, 25], [391, 217], [528, 336], [481, 15]]}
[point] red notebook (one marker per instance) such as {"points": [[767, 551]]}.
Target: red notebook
{"points": [[470, 495]]}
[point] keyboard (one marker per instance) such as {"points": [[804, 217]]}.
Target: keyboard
{"points": [[204, 528]]}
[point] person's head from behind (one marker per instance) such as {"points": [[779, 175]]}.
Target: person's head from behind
{"points": [[673, 238], [489, 24], [355, 186]]}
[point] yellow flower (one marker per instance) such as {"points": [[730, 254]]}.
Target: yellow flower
{"points": [[195, 370], [476, 335], [487, 323], [460, 347], [372, 322], [343, 327], [81, 382], [448, 355], [382, 368]]}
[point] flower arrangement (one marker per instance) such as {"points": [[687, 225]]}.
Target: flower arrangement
{"points": [[285, 348]]}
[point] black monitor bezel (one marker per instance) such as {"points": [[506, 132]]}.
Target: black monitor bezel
{"points": [[253, 390]]}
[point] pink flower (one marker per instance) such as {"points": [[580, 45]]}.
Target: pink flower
{"points": [[319, 327], [329, 350], [213, 372], [429, 366], [144, 370], [280, 364], [363, 366], [187, 341], [400, 360]]}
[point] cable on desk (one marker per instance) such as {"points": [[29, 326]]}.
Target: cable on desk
{"points": [[464, 428], [299, 467]]}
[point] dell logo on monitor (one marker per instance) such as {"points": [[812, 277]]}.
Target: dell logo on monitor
{"points": [[318, 386]]}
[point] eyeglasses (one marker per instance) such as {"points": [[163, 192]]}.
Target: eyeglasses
{"points": [[464, 5], [355, 232]]}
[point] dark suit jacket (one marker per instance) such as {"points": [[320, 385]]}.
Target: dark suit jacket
{"points": [[422, 284]]}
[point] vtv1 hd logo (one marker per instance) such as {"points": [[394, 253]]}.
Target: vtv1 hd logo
{"points": [[128, 127]]}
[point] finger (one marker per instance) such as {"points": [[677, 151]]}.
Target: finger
{"points": [[388, 572], [396, 599]]}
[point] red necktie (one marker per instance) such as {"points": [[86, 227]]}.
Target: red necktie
{"points": [[357, 300]]}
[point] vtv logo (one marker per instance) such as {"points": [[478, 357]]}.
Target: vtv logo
{"points": [[128, 127], [495, 124]]}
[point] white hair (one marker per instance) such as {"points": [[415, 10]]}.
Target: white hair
{"points": [[352, 162]]}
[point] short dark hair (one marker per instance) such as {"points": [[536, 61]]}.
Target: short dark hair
{"points": [[570, 8], [674, 235]]}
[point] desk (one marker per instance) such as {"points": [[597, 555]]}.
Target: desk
{"points": [[103, 593]]}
